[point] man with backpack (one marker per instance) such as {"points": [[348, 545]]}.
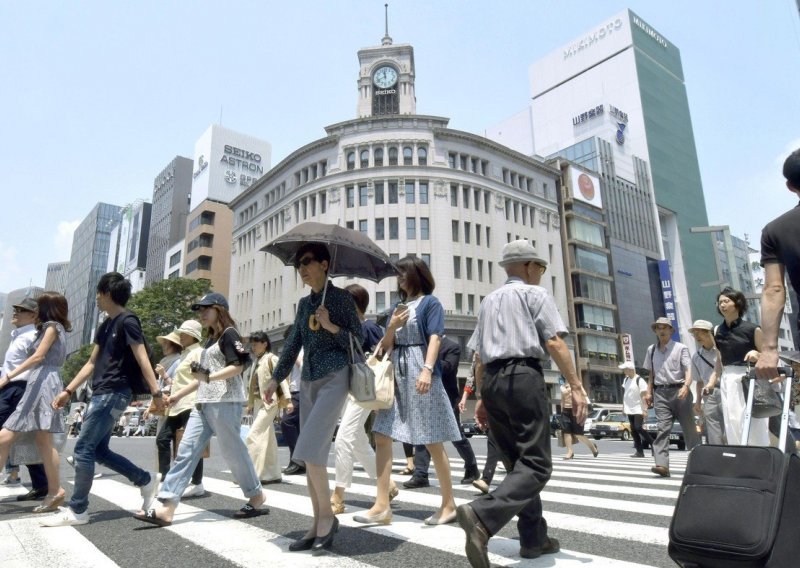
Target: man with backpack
{"points": [[119, 368], [634, 388]]}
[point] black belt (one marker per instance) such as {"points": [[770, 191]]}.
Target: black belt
{"points": [[532, 362], [670, 386]]}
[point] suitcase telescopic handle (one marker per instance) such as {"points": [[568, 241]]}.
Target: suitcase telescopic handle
{"points": [[787, 397]]}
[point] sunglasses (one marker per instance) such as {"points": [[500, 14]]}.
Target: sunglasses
{"points": [[22, 311], [305, 261]]}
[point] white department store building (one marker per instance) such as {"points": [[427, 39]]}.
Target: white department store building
{"points": [[414, 186]]}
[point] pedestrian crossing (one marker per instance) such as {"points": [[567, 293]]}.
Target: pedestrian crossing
{"points": [[609, 511]]}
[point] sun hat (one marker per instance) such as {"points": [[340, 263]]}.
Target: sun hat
{"points": [[28, 304], [627, 365], [192, 328], [661, 321], [172, 337], [702, 325], [520, 251]]}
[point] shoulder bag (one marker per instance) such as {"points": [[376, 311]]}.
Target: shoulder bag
{"points": [[371, 381]]}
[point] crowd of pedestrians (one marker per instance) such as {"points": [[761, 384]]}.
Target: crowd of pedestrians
{"points": [[208, 377]]}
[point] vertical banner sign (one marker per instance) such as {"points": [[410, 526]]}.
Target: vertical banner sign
{"points": [[668, 297], [627, 348]]}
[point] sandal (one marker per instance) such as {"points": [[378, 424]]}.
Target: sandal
{"points": [[149, 516], [407, 471], [49, 504], [248, 511], [337, 507]]}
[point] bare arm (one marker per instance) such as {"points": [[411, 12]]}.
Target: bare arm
{"points": [[431, 355], [559, 351], [773, 298], [85, 372]]}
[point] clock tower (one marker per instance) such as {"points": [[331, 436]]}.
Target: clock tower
{"points": [[386, 79]]}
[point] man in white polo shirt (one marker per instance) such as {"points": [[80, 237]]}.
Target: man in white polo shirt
{"points": [[634, 388]]}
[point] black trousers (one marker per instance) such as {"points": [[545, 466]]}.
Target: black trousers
{"points": [[515, 399], [422, 457], [290, 424], [641, 437], [164, 441], [10, 396]]}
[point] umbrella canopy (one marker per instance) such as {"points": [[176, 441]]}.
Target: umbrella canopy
{"points": [[353, 253]]}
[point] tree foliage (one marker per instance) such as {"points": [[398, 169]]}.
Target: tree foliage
{"points": [[164, 305], [75, 361]]}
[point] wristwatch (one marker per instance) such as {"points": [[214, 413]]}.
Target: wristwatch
{"points": [[429, 367], [157, 394]]}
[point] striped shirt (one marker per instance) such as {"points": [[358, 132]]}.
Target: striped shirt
{"points": [[672, 365], [515, 321]]}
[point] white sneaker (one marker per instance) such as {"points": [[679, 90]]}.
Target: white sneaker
{"points": [[65, 517], [149, 491], [9, 481], [194, 490]]}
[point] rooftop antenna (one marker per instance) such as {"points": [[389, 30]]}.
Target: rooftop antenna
{"points": [[388, 40]]}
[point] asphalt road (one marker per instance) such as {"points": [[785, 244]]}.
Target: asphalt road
{"points": [[606, 511]]}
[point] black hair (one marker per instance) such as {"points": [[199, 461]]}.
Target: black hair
{"points": [[417, 275], [791, 169], [261, 337], [115, 284], [319, 251], [736, 297], [360, 295]]}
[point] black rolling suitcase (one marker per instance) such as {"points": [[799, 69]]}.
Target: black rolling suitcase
{"points": [[739, 506]]}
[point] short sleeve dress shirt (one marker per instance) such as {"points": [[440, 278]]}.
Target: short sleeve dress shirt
{"points": [[515, 321], [671, 364], [21, 340]]}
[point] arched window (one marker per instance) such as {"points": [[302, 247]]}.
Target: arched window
{"points": [[351, 160], [364, 158], [393, 156], [422, 156], [408, 156], [379, 156]]}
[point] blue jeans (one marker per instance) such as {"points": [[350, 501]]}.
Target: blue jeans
{"points": [[223, 419], [92, 445]]}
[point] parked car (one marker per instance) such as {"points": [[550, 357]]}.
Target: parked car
{"points": [[595, 415], [470, 428], [612, 426], [651, 426]]}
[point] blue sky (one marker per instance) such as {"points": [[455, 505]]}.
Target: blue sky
{"points": [[97, 97]]}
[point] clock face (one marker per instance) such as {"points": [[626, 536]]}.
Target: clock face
{"points": [[385, 77]]}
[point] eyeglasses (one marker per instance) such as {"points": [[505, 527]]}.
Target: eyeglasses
{"points": [[305, 261], [541, 267], [22, 311]]}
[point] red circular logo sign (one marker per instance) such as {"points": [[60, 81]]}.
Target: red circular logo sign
{"points": [[586, 185]]}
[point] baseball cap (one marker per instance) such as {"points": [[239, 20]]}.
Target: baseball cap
{"points": [[210, 299]]}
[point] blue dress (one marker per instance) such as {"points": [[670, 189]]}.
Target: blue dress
{"points": [[34, 411], [416, 418]]}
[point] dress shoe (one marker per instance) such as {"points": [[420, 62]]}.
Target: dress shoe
{"points": [[638, 455], [470, 475], [32, 495], [595, 450], [660, 470], [433, 520], [481, 484], [416, 482], [551, 547], [294, 469], [380, 519], [568, 457], [271, 481], [302, 544], [477, 547], [393, 492], [323, 543]]}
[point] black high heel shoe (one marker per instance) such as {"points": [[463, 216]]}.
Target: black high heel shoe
{"points": [[323, 543], [302, 544]]}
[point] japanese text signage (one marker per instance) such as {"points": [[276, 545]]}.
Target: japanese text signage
{"points": [[627, 347], [668, 296]]}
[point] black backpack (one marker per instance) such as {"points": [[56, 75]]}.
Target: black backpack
{"points": [[130, 365]]}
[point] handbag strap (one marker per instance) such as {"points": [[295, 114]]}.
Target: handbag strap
{"points": [[355, 349]]}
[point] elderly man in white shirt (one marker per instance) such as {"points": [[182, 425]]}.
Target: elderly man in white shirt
{"points": [[22, 337]]}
